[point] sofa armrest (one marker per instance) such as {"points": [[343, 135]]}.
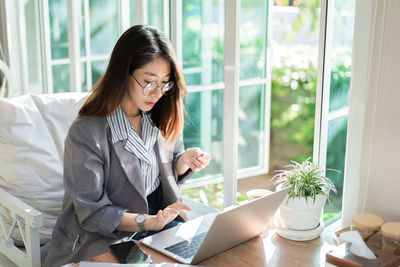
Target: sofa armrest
{"points": [[28, 221]]}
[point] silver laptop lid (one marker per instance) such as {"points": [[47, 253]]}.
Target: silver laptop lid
{"points": [[238, 224]]}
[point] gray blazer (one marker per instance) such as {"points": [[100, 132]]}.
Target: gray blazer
{"points": [[102, 181]]}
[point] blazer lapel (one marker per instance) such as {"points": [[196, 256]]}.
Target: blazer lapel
{"points": [[131, 166], [170, 189], [164, 155]]}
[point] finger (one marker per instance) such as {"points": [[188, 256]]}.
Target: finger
{"points": [[170, 216], [206, 157], [196, 163], [180, 205], [200, 165], [159, 214], [195, 169], [193, 151], [202, 161], [192, 158], [170, 212], [183, 206], [167, 210], [198, 155], [198, 150], [184, 215]]}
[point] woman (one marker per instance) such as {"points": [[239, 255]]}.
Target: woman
{"points": [[124, 154]]}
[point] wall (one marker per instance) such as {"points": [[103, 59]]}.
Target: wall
{"points": [[372, 176]]}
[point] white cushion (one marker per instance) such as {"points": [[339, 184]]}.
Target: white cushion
{"points": [[32, 133]]}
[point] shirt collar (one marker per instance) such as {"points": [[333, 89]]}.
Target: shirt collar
{"points": [[121, 129], [119, 125]]}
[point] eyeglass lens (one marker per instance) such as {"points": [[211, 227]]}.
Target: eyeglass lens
{"points": [[153, 85]]}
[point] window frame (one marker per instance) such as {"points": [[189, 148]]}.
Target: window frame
{"points": [[74, 60], [322, 114], [228, 176], [231, 122], [16, 48]]}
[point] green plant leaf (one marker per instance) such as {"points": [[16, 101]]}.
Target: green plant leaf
{"points": [[306, 179]]}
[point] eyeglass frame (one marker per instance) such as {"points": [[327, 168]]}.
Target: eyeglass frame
{"points": [[163, 92]]}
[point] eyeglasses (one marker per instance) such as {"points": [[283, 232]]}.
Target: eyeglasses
{"points": [[152, 86]]}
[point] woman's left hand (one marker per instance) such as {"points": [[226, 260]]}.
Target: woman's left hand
{"points": [[181, 209], [165, 216], [195, 159]]}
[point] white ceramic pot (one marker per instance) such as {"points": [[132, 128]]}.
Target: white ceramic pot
{"points": [[299, 214]]}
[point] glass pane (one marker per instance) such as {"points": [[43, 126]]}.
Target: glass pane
{"points": [[292, 115], [342, 42], [132, 11], [82, 30], [98, 69], [253, 39], [340, 60], [32, 43], [60, 78], [294, 58], [211, 195], [58, 29], [203, 47], [251, 126], [335, 159], [104, 26], [156, 13], [84, 77], [203, 127]]}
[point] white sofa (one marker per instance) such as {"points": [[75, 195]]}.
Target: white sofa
{"points": [[32, 133]]}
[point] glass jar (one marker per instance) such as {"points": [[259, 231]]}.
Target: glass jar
{"points": [[366, 224], [391, 237]]}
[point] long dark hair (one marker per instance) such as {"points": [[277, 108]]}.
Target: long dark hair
{"points": [[135, 48]]}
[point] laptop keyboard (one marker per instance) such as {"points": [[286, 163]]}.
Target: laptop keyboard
{"points": [[187, 249]]}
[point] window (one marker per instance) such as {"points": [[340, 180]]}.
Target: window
{"points": [[203, 61], [99, 28], [277, 92], [203, 66], [337, 56], [296, 91], [253, 89], [294, 46], [100, 23]]}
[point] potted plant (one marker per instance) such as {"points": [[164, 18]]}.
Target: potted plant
{"points": [[302, 208]]}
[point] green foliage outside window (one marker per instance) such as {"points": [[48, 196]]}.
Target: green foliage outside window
{"points": [[293, 108], [293, 99]]}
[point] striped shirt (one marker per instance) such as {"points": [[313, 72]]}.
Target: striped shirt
{"points": [[143, 148]]}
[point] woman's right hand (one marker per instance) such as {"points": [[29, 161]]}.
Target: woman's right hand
{"points": [[165, 216]]}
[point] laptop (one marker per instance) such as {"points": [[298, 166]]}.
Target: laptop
{"points": [[211, 234]]}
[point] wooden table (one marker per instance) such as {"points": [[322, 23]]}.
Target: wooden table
{"points": [[269, 249]]}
